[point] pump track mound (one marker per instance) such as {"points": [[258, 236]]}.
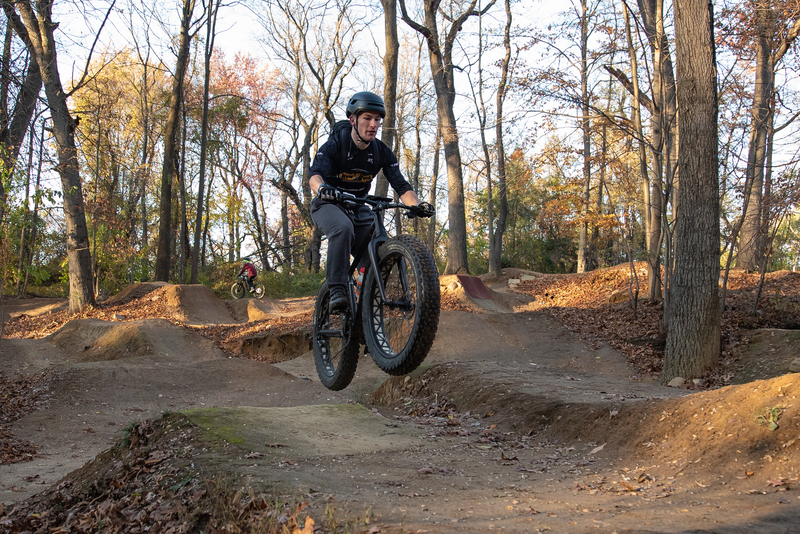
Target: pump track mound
{"points": [[512, 424]]}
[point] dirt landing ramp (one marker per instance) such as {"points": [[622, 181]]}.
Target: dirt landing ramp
{"points": [[135, 291], [95, 340], [195, 304], [260, 309], [474, 294], [272, 348], [306, 432], [35, 307]]}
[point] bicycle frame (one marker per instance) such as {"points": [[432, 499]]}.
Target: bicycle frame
{"points": [[379, 237]]}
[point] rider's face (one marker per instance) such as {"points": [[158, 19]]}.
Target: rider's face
{"points": [[367, 124]]}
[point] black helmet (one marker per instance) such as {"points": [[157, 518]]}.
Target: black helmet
{"points": [[365, 101]]}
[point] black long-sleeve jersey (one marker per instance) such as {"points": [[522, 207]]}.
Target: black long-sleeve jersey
{"points": [[352, 170]]}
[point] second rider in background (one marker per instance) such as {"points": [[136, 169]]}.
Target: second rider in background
{"points": [[251, 271], [349, 163]]}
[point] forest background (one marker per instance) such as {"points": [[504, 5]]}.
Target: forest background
{"points": [[152, 141]]}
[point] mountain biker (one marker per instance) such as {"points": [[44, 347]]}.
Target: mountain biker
{"points": [[251, 271], [349, 163]]}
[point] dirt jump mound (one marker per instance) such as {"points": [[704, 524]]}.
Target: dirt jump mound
{"points": [[195, 304], [474, 295], [266, 308], [136, 291], [95, 340]]}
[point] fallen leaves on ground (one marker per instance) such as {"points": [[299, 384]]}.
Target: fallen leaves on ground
{"points": [[142, 305], [19, 396], [152, 484], [584, 303], [450, 302]]}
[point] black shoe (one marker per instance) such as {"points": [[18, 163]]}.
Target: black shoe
{"points": [[339, 302]]}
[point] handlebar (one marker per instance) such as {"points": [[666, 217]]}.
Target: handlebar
{"points": [[378, 203]]}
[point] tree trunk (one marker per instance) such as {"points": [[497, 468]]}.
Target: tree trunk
{"points": [[206, 223], [653, 268], [36, 200], [480, 111], [285, 233], [5, 74], [663, 137], [390, 61], [751, 244], [145, 161], [693, 340], [261, 242], [12, 133], [43, 46], [587, 138], [211, 33], [415, 177], [169, 171], [496, 256], [441, 59], [183, 219], [313, 236], [26, 219], [437, 146]]}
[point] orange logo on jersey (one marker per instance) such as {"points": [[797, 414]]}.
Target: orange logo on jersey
{"points": [[355, 177]]}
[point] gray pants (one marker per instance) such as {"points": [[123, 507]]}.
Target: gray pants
{"points": [[347, 230]]}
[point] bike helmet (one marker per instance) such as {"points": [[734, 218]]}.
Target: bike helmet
{"points": [[365, 101]]}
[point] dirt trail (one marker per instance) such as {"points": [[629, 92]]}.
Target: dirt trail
{"points": [[512, 424]]}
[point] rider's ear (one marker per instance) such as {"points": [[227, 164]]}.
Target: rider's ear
{"points": [[353, 120]]}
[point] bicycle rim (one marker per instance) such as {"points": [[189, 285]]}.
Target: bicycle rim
{"points": [[394, 319], [259, 290], [237, 290], [335, 345], [399, 330]]}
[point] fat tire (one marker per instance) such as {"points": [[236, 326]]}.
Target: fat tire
{"points": [[426, 311], [237, 290], [333, 375], [259, 290]]}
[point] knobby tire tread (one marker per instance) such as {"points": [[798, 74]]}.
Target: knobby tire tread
{"points": [[348, 360], [427, 322]]}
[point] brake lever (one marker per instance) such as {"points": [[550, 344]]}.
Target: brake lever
{"points": [[348, 201]]}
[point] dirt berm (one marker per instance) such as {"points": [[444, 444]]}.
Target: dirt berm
{"points": [[512, 424]]}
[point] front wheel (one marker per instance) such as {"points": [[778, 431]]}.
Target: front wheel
{"points": [[237, 290], [335, 343], [399, 331], [259, 290]]}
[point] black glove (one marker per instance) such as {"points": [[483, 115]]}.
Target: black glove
{"points": [[424, 209], [329, 193]]}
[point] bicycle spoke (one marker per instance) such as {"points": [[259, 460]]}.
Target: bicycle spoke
{"points": [[331, 340], [335, 344], [398, 310]]}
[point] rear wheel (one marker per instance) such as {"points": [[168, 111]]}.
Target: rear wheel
{"points": [[335, 343], [399, 331], [237, 290], [258, 290]]}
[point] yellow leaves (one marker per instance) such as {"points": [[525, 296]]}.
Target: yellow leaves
{"points": [[308, 527]]}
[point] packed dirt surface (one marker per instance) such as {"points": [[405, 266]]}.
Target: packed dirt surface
{"points": [[514, 423]]}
